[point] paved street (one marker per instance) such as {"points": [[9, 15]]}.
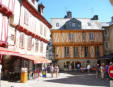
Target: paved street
{"points": [[64, 80]]}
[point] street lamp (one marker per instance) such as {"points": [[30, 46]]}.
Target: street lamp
{"points": [[111, 2]]}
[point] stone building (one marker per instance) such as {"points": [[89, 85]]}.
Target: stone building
{"points": [[76, 40]]}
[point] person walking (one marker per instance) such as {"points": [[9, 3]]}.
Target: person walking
{"points": [[52, 70], [56, 70], [102, 70], [88, 68], [97, 70], [106, 71]]}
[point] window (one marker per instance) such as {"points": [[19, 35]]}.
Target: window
{"points": [[107, 45], [70, 24], [29, 43], [41, 29], [26, 17], [86, 51], [97, 51], [71, 36], [45, 32], [91, 36], [57, 24], [89, 24], [73, 25], [21, 40], [36, 45], [83, 35], [105, 32], [41, 47], [66, 51], [75, 51]]}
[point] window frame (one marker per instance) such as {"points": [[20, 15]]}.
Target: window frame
{"points": [[84, 36], [22, 41], [86, 49], [97, 53], [26, 17], [76, 51], [66, 51], [91, 36], [71, 36], [29, 43], [36, 45]]}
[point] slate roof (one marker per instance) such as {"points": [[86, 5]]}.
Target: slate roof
{"points": [[86, 23]]}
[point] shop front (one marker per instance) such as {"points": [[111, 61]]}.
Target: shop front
{"points": [[13, 62]]}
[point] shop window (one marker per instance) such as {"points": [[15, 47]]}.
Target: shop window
{"points": [[26, 17], [75, 51], [86, 51], [36, 45], [66, 51], [97, 51], [22, 40], [29, 43], [71, 36]]}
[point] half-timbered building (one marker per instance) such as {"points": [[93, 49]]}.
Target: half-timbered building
{"points": [[77, 40], [24, 34]]}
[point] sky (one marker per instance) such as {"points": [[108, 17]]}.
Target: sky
{"points": [[79, 9]]}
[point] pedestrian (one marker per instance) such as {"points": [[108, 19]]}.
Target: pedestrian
{"points": [[52, 70], [88, 68], [97, 70], [102, 70], [56, 70], [78, 66], [70, 68], [106, 71]]}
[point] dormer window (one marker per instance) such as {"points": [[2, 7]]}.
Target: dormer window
{"points": [[57, 24], [89, 24], [73, 24]]}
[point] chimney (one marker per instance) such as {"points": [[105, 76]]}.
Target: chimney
{"points": [[95, 17], [40, 8], [112, 19], [69, 14]]}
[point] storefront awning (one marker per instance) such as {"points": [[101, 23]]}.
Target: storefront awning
{"points": [[36, 59]]}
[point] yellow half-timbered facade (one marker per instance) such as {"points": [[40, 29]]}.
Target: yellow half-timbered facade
{"points": [[77, 45], [76, 41]]}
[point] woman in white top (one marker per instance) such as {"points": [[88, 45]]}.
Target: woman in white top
{"points": [[51, 70], [56, 70]]}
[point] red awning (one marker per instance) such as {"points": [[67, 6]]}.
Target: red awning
{"points": [[41, 60], [5, 51], [36, 59]]}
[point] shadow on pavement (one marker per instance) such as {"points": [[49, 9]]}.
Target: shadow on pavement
{"points": [[81, 79]]}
